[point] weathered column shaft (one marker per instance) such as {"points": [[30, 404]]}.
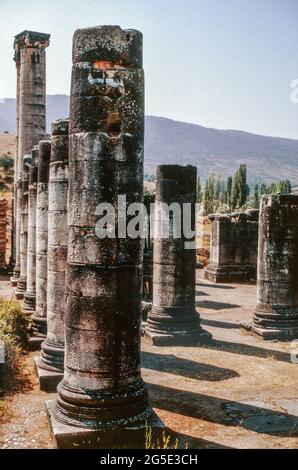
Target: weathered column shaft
{"points": [[3, 235], [39, 319], [276, 314], [29, 297], [173, 318], [21, 285], [13, 228], [16, 208], [102, 385], [30, 47], [52, 349]]}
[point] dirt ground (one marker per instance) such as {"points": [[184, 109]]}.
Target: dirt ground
{"points": [[238, 392]]}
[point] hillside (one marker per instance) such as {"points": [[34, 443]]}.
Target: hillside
{"points": [[211, 150]]}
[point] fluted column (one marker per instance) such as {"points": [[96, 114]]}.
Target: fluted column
{"points": [[21, 285], [39, 319], [30, 50], [30, 295], [16, 273], [50, 363]]}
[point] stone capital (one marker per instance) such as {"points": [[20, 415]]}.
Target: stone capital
{"points": [[30, 39]]}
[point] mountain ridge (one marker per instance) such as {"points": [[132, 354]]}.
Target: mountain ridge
{"points": [[213, 151]]}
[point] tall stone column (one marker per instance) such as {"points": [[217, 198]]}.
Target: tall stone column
{"points": [[51, 362], [39, 319], [16, 217], [276, 314], [30, 295], [30, 49], [21, 285], [102, 397], [16, 273], [173, 319]]}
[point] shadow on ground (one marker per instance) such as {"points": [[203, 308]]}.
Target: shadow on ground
{"points": [[216, 286], [213, 305], [219, 324], [185, 367], [248, 350], [259, 419]]}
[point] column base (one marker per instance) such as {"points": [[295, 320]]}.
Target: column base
{"points": [[176, 338], [230, 273], [29, 303], [127, 437], [52, 357], [275, 322], [39, 326], [146, 307], [15, 278], [35, 343], [269, 333], [21, 289], [48, 380]]}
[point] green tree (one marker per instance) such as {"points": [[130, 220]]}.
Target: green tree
{"points": [[229, 192], [256, 197], [243, 186], [6, 162], [199, 190]]}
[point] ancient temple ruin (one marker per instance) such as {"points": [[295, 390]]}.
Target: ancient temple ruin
{"points": [[233, 247], [86, 294]]}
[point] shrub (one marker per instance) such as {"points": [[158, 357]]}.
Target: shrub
{"points": [[13, 322], [14, 337]]}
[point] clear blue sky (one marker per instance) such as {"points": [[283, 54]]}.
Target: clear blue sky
{"points": [[218, 63]]}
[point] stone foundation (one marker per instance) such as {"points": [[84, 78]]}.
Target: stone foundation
{"points": [[234, 247]]}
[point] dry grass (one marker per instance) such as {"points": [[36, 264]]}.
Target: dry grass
{"points": [[166, 441]]}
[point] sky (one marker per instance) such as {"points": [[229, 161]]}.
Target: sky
{"points": [[226, 64]]}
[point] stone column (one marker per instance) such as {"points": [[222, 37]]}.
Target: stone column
{"points": [[30, 47], [30, 295], [173, 319], [39, 319], [16, 217], [102, 389], [276, 314], [16, 272], [148, 260], [21, 285], [3, 235], [50, 364]]}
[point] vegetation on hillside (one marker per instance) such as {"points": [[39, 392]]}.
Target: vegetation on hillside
{"points": [[234, 193]]}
